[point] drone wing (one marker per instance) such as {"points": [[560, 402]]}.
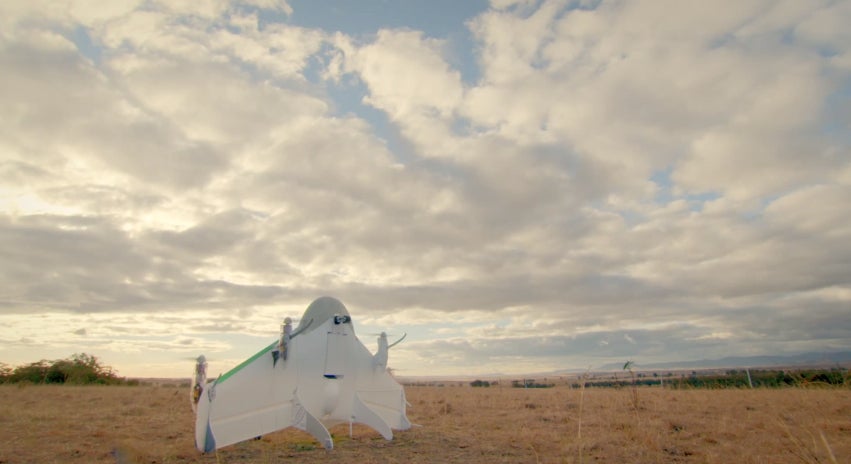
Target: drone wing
{"points": [[377, 395], [257, 397]]}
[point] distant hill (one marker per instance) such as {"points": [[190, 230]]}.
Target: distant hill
{"points": [[813, 359]]}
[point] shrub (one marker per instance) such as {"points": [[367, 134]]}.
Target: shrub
{"points": [[5, 372], [80, 368]]}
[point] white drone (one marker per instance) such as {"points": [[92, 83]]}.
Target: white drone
{"points": [[312, 378]]}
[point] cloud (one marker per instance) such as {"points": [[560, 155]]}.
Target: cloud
{"points": [[63, 112], [618, 180], [406, 74], [632, 103]]}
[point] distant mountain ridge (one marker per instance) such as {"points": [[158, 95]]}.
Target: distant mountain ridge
{"points": [[814, 359]]}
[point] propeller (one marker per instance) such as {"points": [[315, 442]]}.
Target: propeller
{"points": [[385, 334], [398, 341], [195, 358]]}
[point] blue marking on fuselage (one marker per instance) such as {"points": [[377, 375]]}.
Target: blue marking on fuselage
{"points": [[210, 441]]}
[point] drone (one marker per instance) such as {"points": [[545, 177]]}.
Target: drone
{"points": [[311, 378]]}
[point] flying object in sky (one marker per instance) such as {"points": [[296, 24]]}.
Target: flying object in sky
{"points": [[312, 378]]}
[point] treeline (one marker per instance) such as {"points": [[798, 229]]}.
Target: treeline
{"points": [[620, 383], [79, 369], [766, 379], [528, 383], [738, 379]]}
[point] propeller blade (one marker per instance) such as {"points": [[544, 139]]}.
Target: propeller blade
{"points": [[398, 341]]}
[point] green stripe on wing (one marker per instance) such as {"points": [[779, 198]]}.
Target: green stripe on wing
{"points": [[248, 361]]}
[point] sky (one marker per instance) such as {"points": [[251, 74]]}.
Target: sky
{"points": [[519, 185]]}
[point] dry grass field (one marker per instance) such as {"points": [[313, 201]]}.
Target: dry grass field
{"points": [[68, 424]]}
